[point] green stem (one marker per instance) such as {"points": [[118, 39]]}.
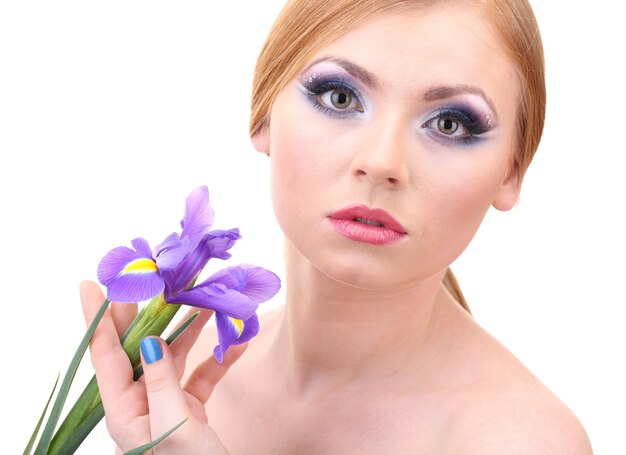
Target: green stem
{"points": [[87, 411]]}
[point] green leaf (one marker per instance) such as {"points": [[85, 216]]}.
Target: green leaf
{"points": [[31, 442], [71, 441], [88, 410], [141, 449], [151, 320], [55, 414], [75, 429]]}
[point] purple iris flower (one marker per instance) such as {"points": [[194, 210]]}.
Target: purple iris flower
{"points": [[140, 273], [234, 294]]}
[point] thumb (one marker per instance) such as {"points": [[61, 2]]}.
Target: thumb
{"points": [[166, 399]]}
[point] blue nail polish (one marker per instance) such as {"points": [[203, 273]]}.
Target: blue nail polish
{"points": [[151, 350]]}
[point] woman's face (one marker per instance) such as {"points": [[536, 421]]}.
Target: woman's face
{"points": [[409, 117]]}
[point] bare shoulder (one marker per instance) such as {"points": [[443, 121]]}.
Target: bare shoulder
{"points": [[517, 418], [514, 413]]}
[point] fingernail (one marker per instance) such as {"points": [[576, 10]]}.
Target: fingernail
{"points": [[151, 349]]}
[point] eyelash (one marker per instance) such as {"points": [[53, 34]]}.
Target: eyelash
{"points": [[472, 125], [322, 85]]}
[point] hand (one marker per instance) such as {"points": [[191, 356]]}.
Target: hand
{"points": [[140, 411]]}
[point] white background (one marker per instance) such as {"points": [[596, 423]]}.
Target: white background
{"points": [[112, 112]]}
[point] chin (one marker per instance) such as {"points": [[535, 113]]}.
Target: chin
{"points": [[357, 265]]}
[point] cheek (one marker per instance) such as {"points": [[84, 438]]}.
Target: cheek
{"points": [[459, 195], [288, 162], [296, 170], [467, 200], [306, 153], [294, 160]]}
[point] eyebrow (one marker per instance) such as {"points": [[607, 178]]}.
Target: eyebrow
{"points": [[353, 69], [448, 91]]}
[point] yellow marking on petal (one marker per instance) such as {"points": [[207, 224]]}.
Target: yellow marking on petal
{"points": [[238, 324], [141, 266]]}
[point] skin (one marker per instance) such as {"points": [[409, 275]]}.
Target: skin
{"points": [[370, 354]]}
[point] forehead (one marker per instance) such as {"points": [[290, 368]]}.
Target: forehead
{"points": [[441, 44]]}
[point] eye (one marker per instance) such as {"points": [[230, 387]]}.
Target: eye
{"points": [[333, 96], [456, 125], [447, 125], [340, 99]]}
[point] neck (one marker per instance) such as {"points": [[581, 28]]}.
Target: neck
{"points": [[333, 333]]}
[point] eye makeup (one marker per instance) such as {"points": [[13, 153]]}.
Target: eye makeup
{"points": [[458, 124], [460, 116], [333, 93]]}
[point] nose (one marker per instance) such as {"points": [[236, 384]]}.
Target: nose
{"points": [[381, 154]]}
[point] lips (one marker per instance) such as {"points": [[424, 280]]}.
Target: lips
{"points": [[363, 224], [369, 217]]}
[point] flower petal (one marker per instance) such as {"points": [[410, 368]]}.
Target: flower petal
{"points": [[142, 247], [261, 284], [114, 262], [218, 242], [135, 287], [171, 252], [256, 283], [198, 217], [227, 333], [214, 245], [251, 328], [130, 275], [218, 298], [233, 331], [171, 241], [231, 277]]}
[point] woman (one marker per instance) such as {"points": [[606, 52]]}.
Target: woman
{"points": [[391, 126]]}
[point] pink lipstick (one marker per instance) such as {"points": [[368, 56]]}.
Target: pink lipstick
{"points": [[363, 224]]}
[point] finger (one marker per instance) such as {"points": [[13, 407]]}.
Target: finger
{"points": [[166, 398], [123, 314], [113, 369], [185, 341], [206, 376], [189, 336]]}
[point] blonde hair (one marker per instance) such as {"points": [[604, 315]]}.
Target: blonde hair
{"points": [[305, 26]]}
